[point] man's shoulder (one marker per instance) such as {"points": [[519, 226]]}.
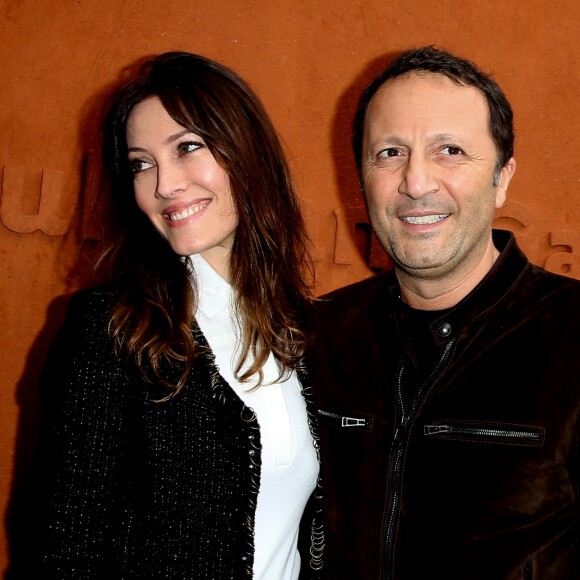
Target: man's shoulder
{"points": [[352, 315], [545, 286], [533, 283], [359, 299], [375, 284]]}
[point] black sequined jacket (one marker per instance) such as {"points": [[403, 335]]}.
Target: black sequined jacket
{"points": [[140, 489]]}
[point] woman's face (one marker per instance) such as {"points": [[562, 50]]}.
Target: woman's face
{"points": [[180, 186]]}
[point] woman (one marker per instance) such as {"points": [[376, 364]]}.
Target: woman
{"points": [[180, 442]]}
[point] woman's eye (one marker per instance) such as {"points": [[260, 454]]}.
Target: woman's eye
{"points": [[138, 165], [188, 147]]}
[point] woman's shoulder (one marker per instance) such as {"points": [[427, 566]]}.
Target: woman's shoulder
{"points": [[87, 313], [82, 356], [93, 302], [94, 295]]}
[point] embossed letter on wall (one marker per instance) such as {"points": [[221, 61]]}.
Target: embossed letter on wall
{"points": [[30, 203]]}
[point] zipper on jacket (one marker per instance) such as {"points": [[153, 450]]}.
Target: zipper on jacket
{"points": [[481, 432], [400, 429], [397, 444], [343, 421]]}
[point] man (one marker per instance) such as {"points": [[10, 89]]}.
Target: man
{"points": [[448, 387]]}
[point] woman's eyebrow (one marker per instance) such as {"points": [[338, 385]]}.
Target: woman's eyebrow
{"points": [[168, 141]]}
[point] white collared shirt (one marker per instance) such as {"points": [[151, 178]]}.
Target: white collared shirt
{"points": [[289, 463]]}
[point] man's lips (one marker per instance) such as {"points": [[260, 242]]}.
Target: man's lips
{"points": [[424, 219]]}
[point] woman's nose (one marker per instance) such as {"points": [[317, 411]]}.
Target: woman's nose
{"points": [[171, 180]]}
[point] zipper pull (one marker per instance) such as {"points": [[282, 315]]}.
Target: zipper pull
{"points": [[433, 429], [398, 437], [352, 422]]}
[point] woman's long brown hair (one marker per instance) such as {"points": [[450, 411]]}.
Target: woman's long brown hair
{"points": [[270, 269]]}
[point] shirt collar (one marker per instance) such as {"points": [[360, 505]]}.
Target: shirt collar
{"points": [[214, 293]]}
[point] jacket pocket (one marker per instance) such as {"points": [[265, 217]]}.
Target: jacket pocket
{"points": [[346, 420], [486, 432]]}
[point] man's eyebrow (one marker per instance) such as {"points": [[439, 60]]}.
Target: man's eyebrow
{"points": [[437, 138], [446, 137], [390, 140]]}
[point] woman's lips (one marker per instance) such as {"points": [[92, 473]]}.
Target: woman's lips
{"points": [[182, 213]]}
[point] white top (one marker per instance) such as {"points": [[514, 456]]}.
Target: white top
{"points": [[289, 463]]}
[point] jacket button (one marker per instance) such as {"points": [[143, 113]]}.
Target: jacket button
{"points": [[444, 329]]}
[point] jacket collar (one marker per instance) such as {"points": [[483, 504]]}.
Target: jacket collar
{"points": [[504, 273]]}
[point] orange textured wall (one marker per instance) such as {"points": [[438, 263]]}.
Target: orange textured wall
{"points": [[308, 61]]}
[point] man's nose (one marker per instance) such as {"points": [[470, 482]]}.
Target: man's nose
{"points": [[418, 177]]}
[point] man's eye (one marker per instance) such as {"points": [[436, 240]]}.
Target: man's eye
{"points": [[188, 146], [138, 165], [390, 152], [452, 150]]}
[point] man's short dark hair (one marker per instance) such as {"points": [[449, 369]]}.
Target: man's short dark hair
{"points": [[429, 59]]}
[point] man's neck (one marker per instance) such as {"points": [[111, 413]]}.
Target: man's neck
{"points": [[447, 291]]}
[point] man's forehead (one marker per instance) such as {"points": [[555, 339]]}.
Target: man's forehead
{"points": [[428, 84], [416, 96]]}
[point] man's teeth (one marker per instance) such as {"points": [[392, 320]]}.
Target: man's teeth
{"points": [[181, 215], [425, 219]]}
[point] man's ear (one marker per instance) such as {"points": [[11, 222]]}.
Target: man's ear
{"points": [[505, 176]]}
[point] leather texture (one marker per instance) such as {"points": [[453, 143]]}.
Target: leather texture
{"points": [[473, 474]]}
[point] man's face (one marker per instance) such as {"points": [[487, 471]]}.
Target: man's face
{"points": [[428, 164]]}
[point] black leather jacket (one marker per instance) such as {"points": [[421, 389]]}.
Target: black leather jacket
{"points": [[471, 474]]}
